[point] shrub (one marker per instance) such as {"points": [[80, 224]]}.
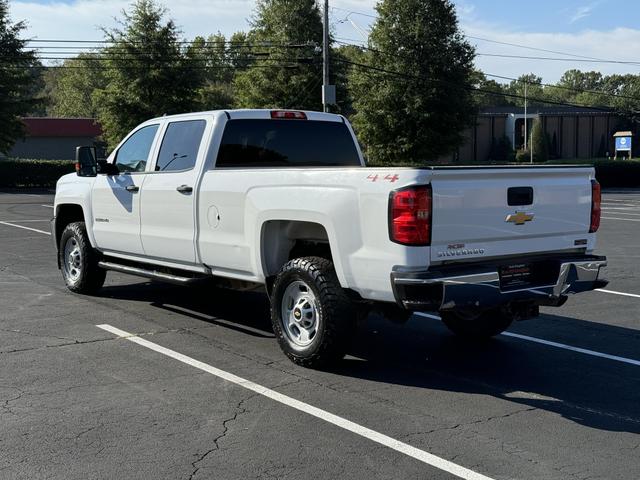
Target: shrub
{"points": [[523, 156], [539, 142], [33, 173], [501, 150], [618, 174]]}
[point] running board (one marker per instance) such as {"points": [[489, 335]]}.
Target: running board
{"points": [[152, 274]]}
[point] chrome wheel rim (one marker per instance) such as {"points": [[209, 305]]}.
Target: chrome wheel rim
{"points": [[72, 263], [299, 314]]}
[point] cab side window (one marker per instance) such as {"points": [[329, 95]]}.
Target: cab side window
{"points": [[180, 145], [134, 153]]}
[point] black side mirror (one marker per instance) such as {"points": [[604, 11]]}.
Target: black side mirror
{"points": [[107, 168], [86, 162]]}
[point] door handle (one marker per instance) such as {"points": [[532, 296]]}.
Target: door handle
{"points": [[184, 189], [132, 188]]}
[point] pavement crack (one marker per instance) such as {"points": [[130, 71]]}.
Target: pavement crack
{"points": [[59, 345], [474, 422], [7, 403], [30, 334], [239, 410]]}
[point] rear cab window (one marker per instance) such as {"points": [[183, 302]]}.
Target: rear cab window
{"points": [[180, 146], [251, 143]]}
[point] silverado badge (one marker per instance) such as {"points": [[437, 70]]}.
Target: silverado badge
{"points": [[519, 218]]}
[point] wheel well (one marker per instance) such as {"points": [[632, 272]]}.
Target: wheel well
{"points": [[284, 240], [65, 215]]}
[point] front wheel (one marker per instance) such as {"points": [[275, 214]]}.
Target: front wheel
{"points": [[313, 319], [78, 260], [477, 325]]}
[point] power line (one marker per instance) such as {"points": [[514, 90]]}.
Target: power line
{"points": [[471, 87], [563, 87], [574, 60], [595, 59], [181, 42], [513, 79], [355, 13], [533, 48]]}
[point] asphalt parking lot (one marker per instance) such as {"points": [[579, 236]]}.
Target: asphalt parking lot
{"points": [[207, 393]]}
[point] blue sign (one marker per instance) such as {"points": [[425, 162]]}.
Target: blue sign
{"points": [[623, 144]]}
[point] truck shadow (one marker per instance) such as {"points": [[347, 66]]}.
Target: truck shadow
{"points": [[595, 392], [196, 302]]}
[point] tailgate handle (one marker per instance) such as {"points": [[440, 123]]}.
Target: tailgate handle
{"points": [[519, 196]]}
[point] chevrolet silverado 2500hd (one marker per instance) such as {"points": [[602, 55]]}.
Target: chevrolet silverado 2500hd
{"points": [[283, 199]]}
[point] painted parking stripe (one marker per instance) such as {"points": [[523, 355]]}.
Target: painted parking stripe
{"points": [[618, 293], [549, 343], [377, 437], [25, 228], [621, 209], [636, 213], [624, 219], [28, 221]]}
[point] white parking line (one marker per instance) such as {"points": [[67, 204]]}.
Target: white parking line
{"points": [[618, 293], [48, 206], [27, 221], [392, 443], [623, 206], [562, 346], [625, 219], [618, 212], [25, 228]]}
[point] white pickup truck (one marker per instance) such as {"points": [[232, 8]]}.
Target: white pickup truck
{"points": [[284, 200]]}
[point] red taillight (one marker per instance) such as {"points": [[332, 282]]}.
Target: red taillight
{"points": [[288, 115], [410, 216], [596, 210]]}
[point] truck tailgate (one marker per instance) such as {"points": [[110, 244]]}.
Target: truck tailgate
{"points": [[493, 212]]}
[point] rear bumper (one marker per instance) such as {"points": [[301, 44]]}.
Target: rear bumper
{"points": [[480, 286]]}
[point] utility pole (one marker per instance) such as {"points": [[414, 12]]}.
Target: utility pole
{"points": [[328, 91], [325, 56]]}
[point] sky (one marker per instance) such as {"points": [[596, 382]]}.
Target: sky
{"points": [[599, 29]]}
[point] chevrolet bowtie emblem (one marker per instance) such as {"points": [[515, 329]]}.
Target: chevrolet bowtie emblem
{"points": [[519, 218]]}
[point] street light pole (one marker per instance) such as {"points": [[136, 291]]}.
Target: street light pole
{"points": [[525, 115]]}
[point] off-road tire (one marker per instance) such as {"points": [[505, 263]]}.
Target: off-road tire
{"points": [[88, 278], [336, 315], [480, 325]]}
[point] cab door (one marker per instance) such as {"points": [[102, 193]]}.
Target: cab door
{"points": [[168, 210], [116, 198]]}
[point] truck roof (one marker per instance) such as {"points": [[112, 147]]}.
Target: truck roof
{"points": [[257, 114]]}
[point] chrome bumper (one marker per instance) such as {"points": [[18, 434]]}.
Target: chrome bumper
{"points": [[479, 287]]}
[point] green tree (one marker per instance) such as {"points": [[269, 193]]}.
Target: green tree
{"points": [[414, 98], [284, 71], [342, 60], [216, 56], [489, 93], [72, 85], [535, 92], [539, 142], [17, 79], [148, 72]]}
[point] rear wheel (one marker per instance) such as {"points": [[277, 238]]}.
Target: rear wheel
{"points": [[471, 324], [312, 317], [79, 261]]}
